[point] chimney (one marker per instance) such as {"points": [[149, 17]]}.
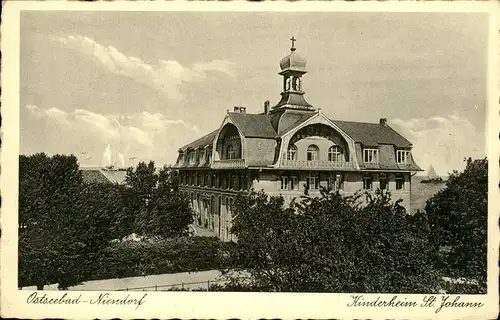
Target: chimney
{"points": [[243, 110], [383, 122], [236, 109], [266, 107]]}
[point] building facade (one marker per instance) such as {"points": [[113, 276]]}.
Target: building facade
{"points": [[287, 148]]}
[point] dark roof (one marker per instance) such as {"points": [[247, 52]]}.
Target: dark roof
{"points": [[201, 142], [115, 176], [94, 176], [253, 125], [372, 134], [290, 120]]}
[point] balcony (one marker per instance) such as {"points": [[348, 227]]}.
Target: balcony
{"points": [[316, 164], [229, 164]]}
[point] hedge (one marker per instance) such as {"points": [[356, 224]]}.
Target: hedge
{"points": [[183, 254]]}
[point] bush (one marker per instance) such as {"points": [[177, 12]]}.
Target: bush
{"points": [[183, 254], [331, 244]]}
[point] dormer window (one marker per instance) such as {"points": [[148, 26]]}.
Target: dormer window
{"points": [[403, 156], [370, 155], [209, 155]]}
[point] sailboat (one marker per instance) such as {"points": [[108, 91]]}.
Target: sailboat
{"points": [[107, 158], [432, 177], [121, 160]]}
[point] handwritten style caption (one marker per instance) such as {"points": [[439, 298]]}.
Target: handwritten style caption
{"points": [[73, 299], [430, 301]]}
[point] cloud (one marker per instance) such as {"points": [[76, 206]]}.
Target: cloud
{"points": [[442, 142], [145, 136], [167, 76]]}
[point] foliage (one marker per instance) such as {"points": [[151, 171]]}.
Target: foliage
{"points": [[183, 254], [62, 222], [160, 209], [332, 244], [458, 216]]}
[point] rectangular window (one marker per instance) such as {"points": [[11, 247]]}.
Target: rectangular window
{"points": [[335, 182], [294, 183], [313, 181], [331, 182], [284, 183], [400, 183], [367, 183], [370, 155], [403, 156], [384, 185]]}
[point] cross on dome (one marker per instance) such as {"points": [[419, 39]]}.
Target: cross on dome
{"points": [[293, 43]]}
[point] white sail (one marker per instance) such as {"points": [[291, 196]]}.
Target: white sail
{"points": [[106, 157], [431, 173], [121, 160]]}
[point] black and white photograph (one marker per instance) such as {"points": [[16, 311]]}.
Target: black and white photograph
{"points": [[279, 155]]}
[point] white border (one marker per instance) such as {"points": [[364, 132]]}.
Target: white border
{"points": [[221, 304]]}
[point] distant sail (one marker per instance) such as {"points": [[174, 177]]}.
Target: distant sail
{"points": [[121, 160], [431, 173], [106, 157]]}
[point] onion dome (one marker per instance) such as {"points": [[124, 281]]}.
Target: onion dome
{"points": [[293, 62]]}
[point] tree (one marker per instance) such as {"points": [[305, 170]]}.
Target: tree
{"points": [[142, 182], [62, 223], [154, 196], [458, 217], [332, 244]]}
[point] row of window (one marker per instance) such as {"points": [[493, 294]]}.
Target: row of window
{"points": [[336, 182], [335, 153], [208, 209], [371, 155], [216, 180], [196, 156]]}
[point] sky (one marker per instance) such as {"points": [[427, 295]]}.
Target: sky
{"points": [[147, 83]]}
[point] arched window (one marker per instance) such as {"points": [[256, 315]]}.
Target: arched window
{"points": [[230, 152], [312, 152], [292, 153], [335, 154]]}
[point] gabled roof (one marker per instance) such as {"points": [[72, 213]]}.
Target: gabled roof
{"points": [[372, 134], [94, 176], [201, 142], [99, 175], [253, 125]]}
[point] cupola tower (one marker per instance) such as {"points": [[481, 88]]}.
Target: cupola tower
{"points": [[293, 67]]}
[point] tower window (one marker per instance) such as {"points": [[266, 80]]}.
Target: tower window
{"points": [[292, 153], [335, 154], [312, 153], [370, 155]]}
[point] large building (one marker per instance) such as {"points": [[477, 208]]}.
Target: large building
{"points": [[287, 148]]}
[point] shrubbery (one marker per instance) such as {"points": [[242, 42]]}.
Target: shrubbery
{"points": [[66, 225], [130, 259], [331, 244]]}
